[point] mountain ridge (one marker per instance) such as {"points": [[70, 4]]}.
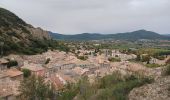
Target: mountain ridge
{"points": [[135, 35]]}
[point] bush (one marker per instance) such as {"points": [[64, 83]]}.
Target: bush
{"points": [[152, 65], [47, 61], [114, 59], [82, 57], [168, 61], [110, 87], [35, 88], [146, 58], [26, 73], [12, 63], [167, 70]]}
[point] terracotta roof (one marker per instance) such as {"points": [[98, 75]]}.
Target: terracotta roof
{"points": [[5, 92], [3, 61], [13, 72], [2, 75], [33, 67], [56, 81]]}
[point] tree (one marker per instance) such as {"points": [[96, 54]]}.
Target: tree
{"points": [[168, 61], [138, 58], [26, 73], [146, 58], [114, 59], [12, 63], [167, 70], [35, 88], [47, 61]]}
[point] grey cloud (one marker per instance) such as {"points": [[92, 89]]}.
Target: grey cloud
{"points": [[99, 16]]}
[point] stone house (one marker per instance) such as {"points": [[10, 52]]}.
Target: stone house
{"points": [[14, 74], [3, 64], [5, 90], [35, 69]]}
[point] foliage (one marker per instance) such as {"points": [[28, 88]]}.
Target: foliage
{"points": [[17, 38], [168, 61], [26, 73], [37, 46], [167, 70], [12, 63], [114, 59], [155, 52], [82, 57], [146, 58], [153, 65], [140, 34], [110, 87], [138, 58], [35, 88], [47, 61]]}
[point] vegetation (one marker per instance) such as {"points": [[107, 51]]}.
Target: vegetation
{"points": [[82, 57], [143, 58], [35, 88], [15, 35], [47, 61], [110, 87], [140, 34], [9, 20], [12, 63], [167, 70], [168, 61], [153, 65], [155, 52], [114, 59], [26, 73]]}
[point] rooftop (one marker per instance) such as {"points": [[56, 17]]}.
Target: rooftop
{"points": [[3, 75], [33, 67], [13, 72]]}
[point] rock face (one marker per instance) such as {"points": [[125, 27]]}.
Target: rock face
{"points": [[159, 90], [12, 25], [39, 33], [17, 35]]}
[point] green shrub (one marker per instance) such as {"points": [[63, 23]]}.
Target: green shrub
{"points": [[110, 87], [167, 70], [47, 61], [12, 63], [168, 61], [82, 57], [114, 59], [153, 65], [26, 73]]}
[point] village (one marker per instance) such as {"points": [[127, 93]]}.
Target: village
{"points": [[60, 68]]}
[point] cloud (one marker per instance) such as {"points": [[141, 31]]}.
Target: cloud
{"points": [[98, 16]]}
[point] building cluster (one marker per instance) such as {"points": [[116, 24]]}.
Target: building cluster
{"points": [[60, 68]]}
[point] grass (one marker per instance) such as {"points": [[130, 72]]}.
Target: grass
{"points": [[152, 65], [110, 87]]}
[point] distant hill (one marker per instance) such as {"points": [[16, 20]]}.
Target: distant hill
{"points": [[140, 34], [166, 34], [16, 36]]}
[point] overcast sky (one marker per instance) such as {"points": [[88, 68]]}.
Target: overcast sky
{"points": [[95, 16]]}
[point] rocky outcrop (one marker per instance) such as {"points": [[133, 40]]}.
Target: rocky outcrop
{"points": [[39, 33], [19, 37], [159, 90]]}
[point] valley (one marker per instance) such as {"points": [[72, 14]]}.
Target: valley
{"points": [[40, 65]]}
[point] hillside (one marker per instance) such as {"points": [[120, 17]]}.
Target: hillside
{"points": [[158, 90], [16, 36], [140, 34], [166, 34]]}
